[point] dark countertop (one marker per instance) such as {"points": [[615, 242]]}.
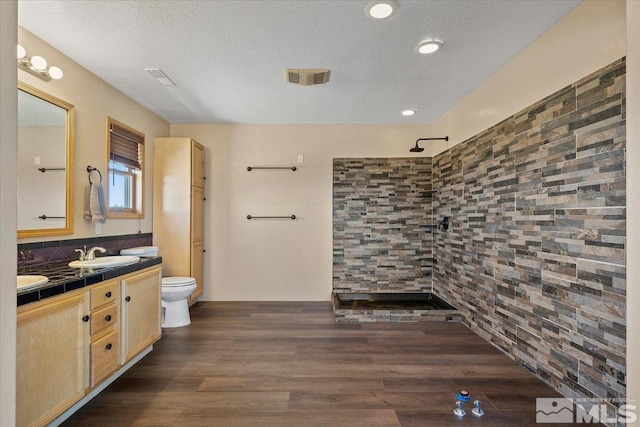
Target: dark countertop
{"points": [[63, 278]]}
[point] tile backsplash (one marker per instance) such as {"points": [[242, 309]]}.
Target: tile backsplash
{"points": [[61, 250]]}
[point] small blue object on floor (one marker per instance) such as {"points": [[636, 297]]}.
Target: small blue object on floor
{"points": [[463, 396]]}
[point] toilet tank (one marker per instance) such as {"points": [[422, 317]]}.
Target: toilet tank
{"points": [[141, 251]]}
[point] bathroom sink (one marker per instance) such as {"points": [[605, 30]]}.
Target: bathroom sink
{"points": [[30, 281], [106, 261]]}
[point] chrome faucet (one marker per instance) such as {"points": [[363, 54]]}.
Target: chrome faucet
{"points": [[92, 255], [86, 255], [83, 253]]}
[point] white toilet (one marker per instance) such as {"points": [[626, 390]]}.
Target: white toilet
{"points": [[175, 309], [175, 291]]}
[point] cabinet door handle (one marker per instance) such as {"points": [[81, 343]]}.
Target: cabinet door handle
{"points": [[127, 299], [108, 294], [108, 318], [109, 346], [85, 318]]}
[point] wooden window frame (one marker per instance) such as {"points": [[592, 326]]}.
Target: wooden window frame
{"points": [[137, 211]]}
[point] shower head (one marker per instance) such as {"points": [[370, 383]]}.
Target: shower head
{"points": [[417, 149]]}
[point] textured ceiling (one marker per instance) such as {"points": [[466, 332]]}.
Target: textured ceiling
{"points": [[227, 58]]}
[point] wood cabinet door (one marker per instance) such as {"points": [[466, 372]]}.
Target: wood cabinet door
{"points": [[197, 265], [141, 322], [52, 348], [197, 164], [197, 214]]}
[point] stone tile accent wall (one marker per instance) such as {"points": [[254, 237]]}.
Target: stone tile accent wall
{"points": [[535, 255], [382, 225]]}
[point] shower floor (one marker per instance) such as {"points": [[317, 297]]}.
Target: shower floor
{"points": [[392, 307]]}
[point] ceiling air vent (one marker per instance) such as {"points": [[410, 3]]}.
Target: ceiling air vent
{"points": [[306, 76], [159, 75]]}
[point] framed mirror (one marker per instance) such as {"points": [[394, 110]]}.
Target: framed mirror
{"points": [[45, 164]]}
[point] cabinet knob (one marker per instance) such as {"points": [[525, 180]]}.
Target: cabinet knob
{"points": [[127, 299], [85, 318], [108, 294], [108, 318], [109, 346], [204, 250], [204, 198]]}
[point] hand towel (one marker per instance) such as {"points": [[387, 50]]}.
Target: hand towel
{"points": [[87, 197], [97, 204]]}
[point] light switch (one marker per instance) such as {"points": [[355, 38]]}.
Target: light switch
{"points": [[300, 158]]}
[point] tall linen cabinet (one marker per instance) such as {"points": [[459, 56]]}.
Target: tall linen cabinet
{"points": [[178, 208]]}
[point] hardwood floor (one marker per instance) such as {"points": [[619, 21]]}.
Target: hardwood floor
{"points": [[289, 364]]}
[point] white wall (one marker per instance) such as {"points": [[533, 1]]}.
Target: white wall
{"points": [[633, 202], [278, 259], [8, 149], [94, 100], [591, 36]]}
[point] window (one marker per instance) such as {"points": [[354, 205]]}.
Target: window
{"points": [[124, 171]]}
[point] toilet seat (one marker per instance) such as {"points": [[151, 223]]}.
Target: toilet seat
{"points": [[177, 282]]}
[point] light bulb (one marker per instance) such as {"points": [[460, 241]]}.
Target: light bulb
{"points": [[21, 52], [55, 73], [39, 63], [380, 9], [428, 46], [408, 112]]}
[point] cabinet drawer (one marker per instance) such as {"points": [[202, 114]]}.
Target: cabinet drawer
{"points": [[104, 294], [103, 317], [104, 357]]}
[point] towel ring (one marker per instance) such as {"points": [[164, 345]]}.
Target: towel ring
{"points": [[91, 169]]}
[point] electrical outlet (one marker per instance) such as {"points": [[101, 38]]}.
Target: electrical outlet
{"points": [[300, 158], [98, 227]]}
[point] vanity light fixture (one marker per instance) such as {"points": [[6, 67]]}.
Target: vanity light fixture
{"points": [[37, 66], [379, 9], [408, 113], [428, 46]]}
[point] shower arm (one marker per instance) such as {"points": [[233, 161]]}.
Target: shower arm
{"points": [[418, 149], [446, 138]]}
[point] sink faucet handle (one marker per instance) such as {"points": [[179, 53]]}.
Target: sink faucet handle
{"points": [[83, 254], [91, 253]]}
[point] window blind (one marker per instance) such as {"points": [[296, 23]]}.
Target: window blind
{"points": [[126, 146]]}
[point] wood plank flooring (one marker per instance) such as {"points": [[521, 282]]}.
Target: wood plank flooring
{"points": [[289, 364]]}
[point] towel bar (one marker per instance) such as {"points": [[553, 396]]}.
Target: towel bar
{"points": [[293, 168], [43, 170], [271, 217]]}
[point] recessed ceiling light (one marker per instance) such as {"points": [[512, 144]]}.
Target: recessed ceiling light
{"points": [[410, 112], [380, 9], [428, 46]]}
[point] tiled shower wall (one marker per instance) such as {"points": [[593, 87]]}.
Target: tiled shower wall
{"points": [[535, 255], [382, 225]]}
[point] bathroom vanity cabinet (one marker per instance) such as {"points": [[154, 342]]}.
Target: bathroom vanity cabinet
{"points": [[141, 322], [178, 208], [52, 357], [69, 344]]}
